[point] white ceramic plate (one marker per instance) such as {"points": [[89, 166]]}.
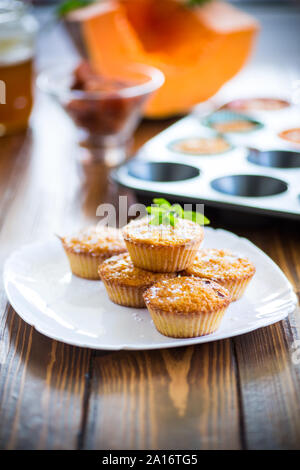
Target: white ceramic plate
{"points": [[44, 293]]}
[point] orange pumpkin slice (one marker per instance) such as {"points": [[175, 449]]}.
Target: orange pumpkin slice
{"points": [[198, 49]]}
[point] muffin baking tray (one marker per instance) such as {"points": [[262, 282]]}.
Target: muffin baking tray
{"points": [[258, 172]]}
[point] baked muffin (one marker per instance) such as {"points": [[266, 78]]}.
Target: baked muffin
{"points": [[90, 247], [162, 248], [125, 284], [186, 307], [226, 268]]}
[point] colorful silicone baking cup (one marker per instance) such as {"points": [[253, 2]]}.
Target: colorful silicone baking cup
{"points": [[291, 135], [172, 146], [186, 326], [224, 116]]}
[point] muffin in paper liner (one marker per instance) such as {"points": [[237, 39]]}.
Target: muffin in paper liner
{"points": [[125, 295], [228, 269], [186, 326], [162, 248], [236, 288], [187, 307], [87, 249], [84, 265], [125, 283]]}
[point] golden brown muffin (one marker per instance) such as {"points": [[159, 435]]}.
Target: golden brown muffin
{"points": [[185, 307], [90, 247], [125, 284], [201, 145], [162, 248], [226, 268]]}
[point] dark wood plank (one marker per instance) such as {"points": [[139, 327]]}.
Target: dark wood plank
{"points": [[268, 369], [42, 390], [158, 399], [169, 399], [270, 389], [42, 382], [189, 398], [240, 393]]}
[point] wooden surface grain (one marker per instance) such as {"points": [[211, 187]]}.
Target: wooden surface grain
{"points": [[168, 399], [233, 394]]}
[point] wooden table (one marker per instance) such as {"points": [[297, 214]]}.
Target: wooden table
{"points": [[240, 393]]}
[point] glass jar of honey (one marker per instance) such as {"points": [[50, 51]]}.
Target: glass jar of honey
{"points": [[17, 38]]}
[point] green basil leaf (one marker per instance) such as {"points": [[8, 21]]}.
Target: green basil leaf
{"points": [[155, 210], [161, 202], [157, 219], [165, 213], [172, 219], [196, 217], [69, 5], [177, 209]]}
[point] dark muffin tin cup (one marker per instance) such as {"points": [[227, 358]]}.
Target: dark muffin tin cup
{"points": [[274, 158], [249, 185], [164, 172]]}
